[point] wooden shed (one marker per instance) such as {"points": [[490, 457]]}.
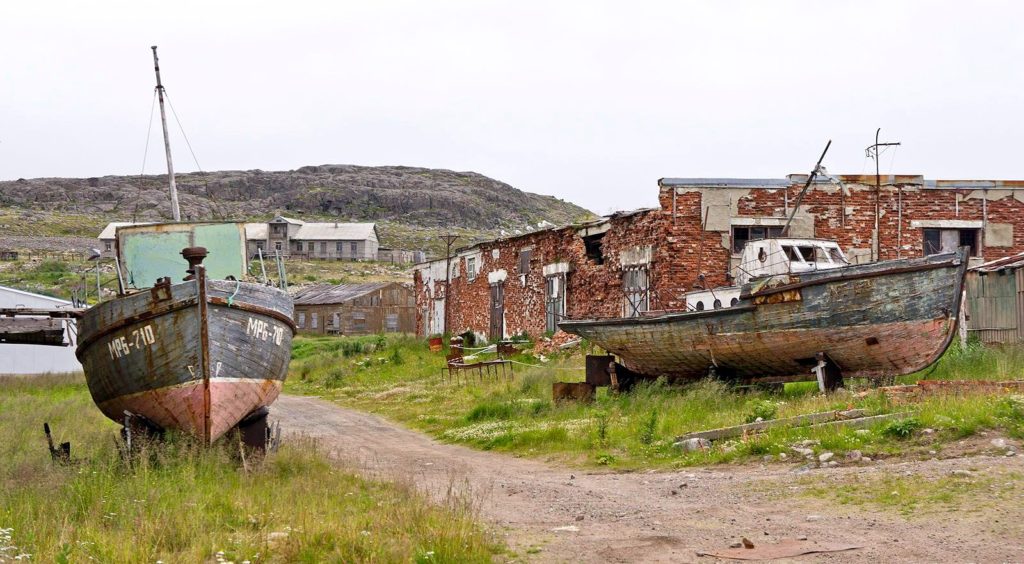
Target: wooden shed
{"points": [[995, 300], [355, 309]]}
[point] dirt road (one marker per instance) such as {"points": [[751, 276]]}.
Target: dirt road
{"points": [[577, 516]]}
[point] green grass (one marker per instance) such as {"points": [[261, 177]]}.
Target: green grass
{"points": [[912, 495], [183, 503], [631, 430]]}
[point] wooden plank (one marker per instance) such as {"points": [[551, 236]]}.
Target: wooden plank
{"points": [[862, 422], [798, 421]]}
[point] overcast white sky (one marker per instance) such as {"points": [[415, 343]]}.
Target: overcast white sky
{"points": [[589, 101]]}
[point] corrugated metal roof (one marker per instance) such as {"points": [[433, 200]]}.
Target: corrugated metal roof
{"points": [[336, 231], [335, 294], [727, 182], [281, 218], [1013, 261]]}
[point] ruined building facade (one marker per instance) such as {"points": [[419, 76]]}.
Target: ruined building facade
{"points": [[632, 263]]}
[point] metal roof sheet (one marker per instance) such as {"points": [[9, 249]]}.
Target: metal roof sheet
{"points": [[322, 294], [1010, 262], [255, 231], [336, 231], [727, 182]]}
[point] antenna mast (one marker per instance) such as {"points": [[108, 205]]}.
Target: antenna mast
{"points": [[872, 151], [167, 141]]}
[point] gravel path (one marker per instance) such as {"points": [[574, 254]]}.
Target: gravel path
{"points": [[663, 516]]}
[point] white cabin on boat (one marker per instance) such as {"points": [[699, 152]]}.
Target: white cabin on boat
{"points": [[770, 257]]}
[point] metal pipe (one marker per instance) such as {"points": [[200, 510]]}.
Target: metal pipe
{"points": [[167, 141]]}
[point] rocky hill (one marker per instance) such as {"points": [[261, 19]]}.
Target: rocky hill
{"points": [[411, 196]]}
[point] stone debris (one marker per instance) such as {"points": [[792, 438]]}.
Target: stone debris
{"points": [[825, 456], [691, 445]]}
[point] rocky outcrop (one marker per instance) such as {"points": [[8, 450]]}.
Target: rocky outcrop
{"points": [[415, 196]]}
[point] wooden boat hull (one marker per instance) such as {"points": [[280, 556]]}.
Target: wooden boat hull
{"points": [[873, 320], [195, 356]]}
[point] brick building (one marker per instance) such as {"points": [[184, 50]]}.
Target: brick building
{"points": [[629, 263]]}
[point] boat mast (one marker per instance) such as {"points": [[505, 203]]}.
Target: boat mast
{"points": [[167, 140]]}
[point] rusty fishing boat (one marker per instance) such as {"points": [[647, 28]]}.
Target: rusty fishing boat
{"points": [[806, 313], [202, 355], [798, 308]]}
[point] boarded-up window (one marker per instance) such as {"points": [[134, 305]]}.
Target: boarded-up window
{"points": [[635, 287], [359, 320], [391, 323], [555, 302], [302, 320], [524, 261], [314, 322]]}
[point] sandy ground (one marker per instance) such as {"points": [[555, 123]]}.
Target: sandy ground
{"points": [[665, 516]]}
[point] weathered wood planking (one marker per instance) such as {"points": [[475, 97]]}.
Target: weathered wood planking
{"points": [[142, 353], [873, 320]]}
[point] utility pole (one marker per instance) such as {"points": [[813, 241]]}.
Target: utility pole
{"points": [[167, 141], [449, 240], [872, 151]]}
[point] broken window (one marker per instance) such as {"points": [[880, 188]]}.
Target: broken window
{"points": [[742, 235], [313, 320], [471, 268], [353, 248], [947, 240], [635, 287], [309, 246], [391, 323], [323, 247], [302, 320], [335, 321], [339, 247], [109, 246], [260, 245], [554, 309], [524, 261], [592, 244]]}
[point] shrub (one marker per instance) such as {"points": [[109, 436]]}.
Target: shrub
{"points": [[763, 410], [902, 428], [649, 429], [491, 410]]}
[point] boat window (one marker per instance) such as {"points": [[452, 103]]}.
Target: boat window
{"points": [[792, 254], [762, 255], [734, 301], [700, 306], [718, 304], [836, 255]]}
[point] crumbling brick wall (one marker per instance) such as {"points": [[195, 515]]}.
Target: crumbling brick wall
{"points": [[689, 235]]}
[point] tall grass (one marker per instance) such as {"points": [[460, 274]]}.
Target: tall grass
{"points": [[628, 430], [180, 502]]}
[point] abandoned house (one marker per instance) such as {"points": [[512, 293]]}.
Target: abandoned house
{"points": [[355, 309], [293, 237], [631, 263]]}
